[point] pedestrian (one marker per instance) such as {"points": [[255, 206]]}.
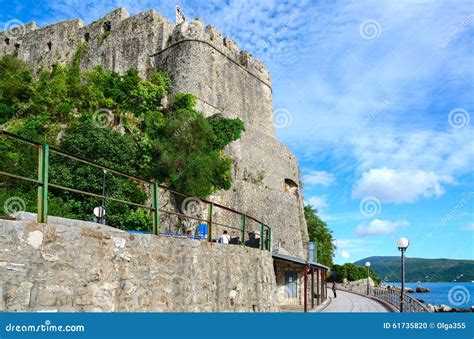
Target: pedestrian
{"points": [[225, 238], [334, 288]]}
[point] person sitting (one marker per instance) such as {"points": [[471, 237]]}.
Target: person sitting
{"points": [[253, 241], [235, 241], [225, 238]]}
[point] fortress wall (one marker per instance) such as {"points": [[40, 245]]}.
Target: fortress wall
{"points": [[116, 42], [46, 46], [10, 42], [128, 44], [230, 82], [70, 265], [223, 78], [261, 165]]}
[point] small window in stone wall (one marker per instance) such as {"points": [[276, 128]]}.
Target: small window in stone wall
{"points": [[291, 187], [49, 44], [87, 36], [7, 41], [17, 45], [107, 26]]}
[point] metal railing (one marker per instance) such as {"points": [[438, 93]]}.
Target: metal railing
{"points": [[390, 295], [247, 231]]}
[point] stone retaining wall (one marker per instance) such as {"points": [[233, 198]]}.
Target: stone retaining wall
{"points": [[76, 266]]}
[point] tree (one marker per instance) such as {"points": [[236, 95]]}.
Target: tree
{"points": [[15, 87], [190, 147], [350, 272], [319, 232]]}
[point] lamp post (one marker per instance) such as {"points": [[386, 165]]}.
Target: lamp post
{"points": [[402, 244], [367, 264]]}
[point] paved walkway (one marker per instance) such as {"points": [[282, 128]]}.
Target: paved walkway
{"points": [[350, 302]]}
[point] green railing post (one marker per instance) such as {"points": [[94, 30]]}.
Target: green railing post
{"points": [[156, 216], [269, 239], [262, 237], [244, 225], [209, 222], [43, 160], [265, 240]]}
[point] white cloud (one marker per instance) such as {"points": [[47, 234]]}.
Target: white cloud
{"points": [[404, 67], [345, 254], [405, 186], [379, 227], [356, 245], [317, 202], [318, 178], [446, 153], [468, 228]]}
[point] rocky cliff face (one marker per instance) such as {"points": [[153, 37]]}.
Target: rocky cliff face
{"points": [[225, 80]]}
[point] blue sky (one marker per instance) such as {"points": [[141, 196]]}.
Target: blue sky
{"points": [[376, 101]]}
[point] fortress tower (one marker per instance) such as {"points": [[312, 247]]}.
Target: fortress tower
{"points": [[225, 81]]}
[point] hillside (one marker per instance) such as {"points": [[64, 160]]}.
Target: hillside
{"points": [[418, 269]]}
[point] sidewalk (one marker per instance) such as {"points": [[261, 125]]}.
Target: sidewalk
{"points": [[350, 302]]}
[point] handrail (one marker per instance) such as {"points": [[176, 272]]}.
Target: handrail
{"points": [[43, 184], [389, 295], [17, 137], [111, 170]]}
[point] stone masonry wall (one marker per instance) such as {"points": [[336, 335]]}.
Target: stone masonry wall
{"points": [[280, 269], [68, 265]]}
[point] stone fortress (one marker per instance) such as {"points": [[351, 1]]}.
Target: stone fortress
{"points": [[224, 79]]}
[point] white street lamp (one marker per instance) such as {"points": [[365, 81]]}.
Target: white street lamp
{"points": [[402, 244], [367, 264]]}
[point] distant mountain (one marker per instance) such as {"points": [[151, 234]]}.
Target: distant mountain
{"points": [[418, 269]]}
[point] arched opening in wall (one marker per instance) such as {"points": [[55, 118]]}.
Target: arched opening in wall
{"points": [[17, 46], [107, 26], [7, 41], [291, 187], [49, 44], [87, 36]]}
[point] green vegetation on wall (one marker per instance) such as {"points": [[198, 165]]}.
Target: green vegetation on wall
{"points": [[112, 119]]}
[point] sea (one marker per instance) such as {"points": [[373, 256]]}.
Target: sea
{"points": [[453, 294]]}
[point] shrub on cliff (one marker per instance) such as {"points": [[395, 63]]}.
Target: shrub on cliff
{"points": [[190, 149]]}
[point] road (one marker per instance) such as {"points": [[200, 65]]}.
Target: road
{"points": [[350, 302]]}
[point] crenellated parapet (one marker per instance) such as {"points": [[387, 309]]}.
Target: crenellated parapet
{"points": [[196, 30], [116, 41], [118, 33], [11, 40]]}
